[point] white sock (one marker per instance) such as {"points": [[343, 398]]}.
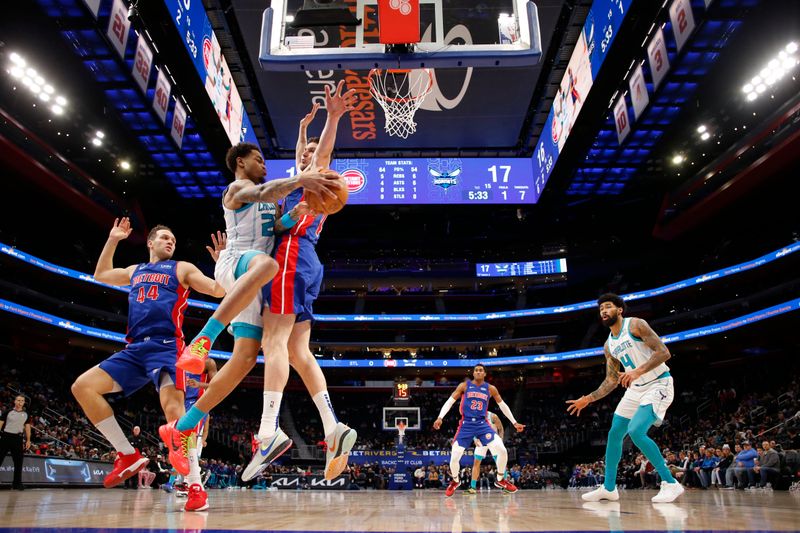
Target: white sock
{"points": [[269, 416], [194, 468], [199, 447], [113, 433], [325, 407]]}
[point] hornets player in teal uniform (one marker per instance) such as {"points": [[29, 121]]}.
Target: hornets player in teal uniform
{"points": [[633, 345], [156, 305], [474, 425]]}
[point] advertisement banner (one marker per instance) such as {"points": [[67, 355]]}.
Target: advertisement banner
{"points": [[621, 121], [93, 5], [161, 96], [118, 27], [297, 481], [680, 14], [639, 95], [657, 57], [142, 64], [40, 470]]}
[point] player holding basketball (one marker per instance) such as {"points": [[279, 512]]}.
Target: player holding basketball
{"points": [[633, 344], [480, 450], [243, 267], [288, 307], [474, 424], [157, 300]]}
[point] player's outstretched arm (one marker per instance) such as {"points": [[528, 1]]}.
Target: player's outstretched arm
{"points": [[190, 276], [288, 220], [244, 192], [302, 135], [504, 408], [220, 242], [448, 404], [336, 104], [105, 271], [660, 354], [605, 388]]}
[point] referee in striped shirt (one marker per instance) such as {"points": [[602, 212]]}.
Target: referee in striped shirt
{"points": [[12, 424]]}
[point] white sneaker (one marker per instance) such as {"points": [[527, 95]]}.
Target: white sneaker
{"points": [[668, 493], [267, 451], [339, 445], [600, 493]]}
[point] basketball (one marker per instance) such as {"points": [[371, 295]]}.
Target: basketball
{"points": [[326, 205]]}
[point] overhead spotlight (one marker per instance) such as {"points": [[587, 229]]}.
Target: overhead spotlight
{"points": [[97, 142], [289, 18], [60, 100], [39, 80], [761, 88], [57, 109], [124, 165], [751, 97], [16, 72], [35, 89], [701, 128], [100, 134], [17, 59], [49, 89], [791, 47], [748, 87], [44, 97], [705, 136], [677, 159], [31, 72]]}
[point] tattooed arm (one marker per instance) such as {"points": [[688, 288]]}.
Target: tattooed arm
{"points": [[242, 192], [605, 388]]}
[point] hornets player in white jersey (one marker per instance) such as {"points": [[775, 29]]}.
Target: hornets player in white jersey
{"points": [[243, 268], [481, 451], [634, 346]]}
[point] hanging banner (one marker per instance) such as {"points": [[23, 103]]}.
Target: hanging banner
{"points": [[708, 3], [657, 55], [93, 5], [142, 64], [178, 123], [161, 97], [680, 13], [118, 27], [639, 95], [621, 121]]}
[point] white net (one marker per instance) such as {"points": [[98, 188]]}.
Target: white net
{"points": [[400, 92]]}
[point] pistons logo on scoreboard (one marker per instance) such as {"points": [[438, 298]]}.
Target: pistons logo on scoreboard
{"points": [[207, 53], [355, 179]]}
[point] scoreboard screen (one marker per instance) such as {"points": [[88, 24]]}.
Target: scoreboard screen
{"points": [[401, 391], [430, 181], [526, 268]]}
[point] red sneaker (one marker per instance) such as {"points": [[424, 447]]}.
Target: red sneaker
{"points": [[198, 499], [451, 488], [506, 486], [193, 358], [178, 443], [124, 467]]}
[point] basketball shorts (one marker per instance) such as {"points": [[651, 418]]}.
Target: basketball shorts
{"points": [[142, 362], [231, 266], [296, 286], [474, 431], [659, 393]]}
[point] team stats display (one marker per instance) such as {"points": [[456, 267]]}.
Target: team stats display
{"points": [[430, 181], [526, 268]]}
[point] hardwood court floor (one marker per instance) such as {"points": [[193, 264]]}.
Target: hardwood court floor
{"points": [[70, 510]]}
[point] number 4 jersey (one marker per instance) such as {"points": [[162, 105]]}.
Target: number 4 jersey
{"points": [[157, 302], [632, 352]]}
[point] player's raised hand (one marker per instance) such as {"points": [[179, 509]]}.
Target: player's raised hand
{"points": [[576, 406], [519, 427], [337, 104], [121, 230], [310, 116], [220, 241], [437, 423], [627, 378]]}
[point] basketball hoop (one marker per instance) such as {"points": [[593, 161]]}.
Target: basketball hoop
{"points": [[401, 428], [400, 92]]}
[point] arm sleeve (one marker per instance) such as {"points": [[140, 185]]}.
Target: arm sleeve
{"points": [[507, 411], [446, 407]]}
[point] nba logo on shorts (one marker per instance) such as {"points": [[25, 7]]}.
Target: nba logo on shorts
{"points": [[356, 181], [488, 435]]}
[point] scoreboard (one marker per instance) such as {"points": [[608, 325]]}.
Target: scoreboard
{"points": [[394, 181], [527, 268], [401, 393]]}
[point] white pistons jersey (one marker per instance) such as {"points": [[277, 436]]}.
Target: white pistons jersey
{"points": [[632, 353], [251, 227]]}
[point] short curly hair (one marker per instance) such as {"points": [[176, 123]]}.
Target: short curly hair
{"points": [[236, 151]]}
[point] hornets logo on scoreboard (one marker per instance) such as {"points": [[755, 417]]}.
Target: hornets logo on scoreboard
{"points": [[444, 172]]}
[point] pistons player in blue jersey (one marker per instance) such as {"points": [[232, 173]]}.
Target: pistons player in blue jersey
{"points": [[156, 305], [475, 395]]}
